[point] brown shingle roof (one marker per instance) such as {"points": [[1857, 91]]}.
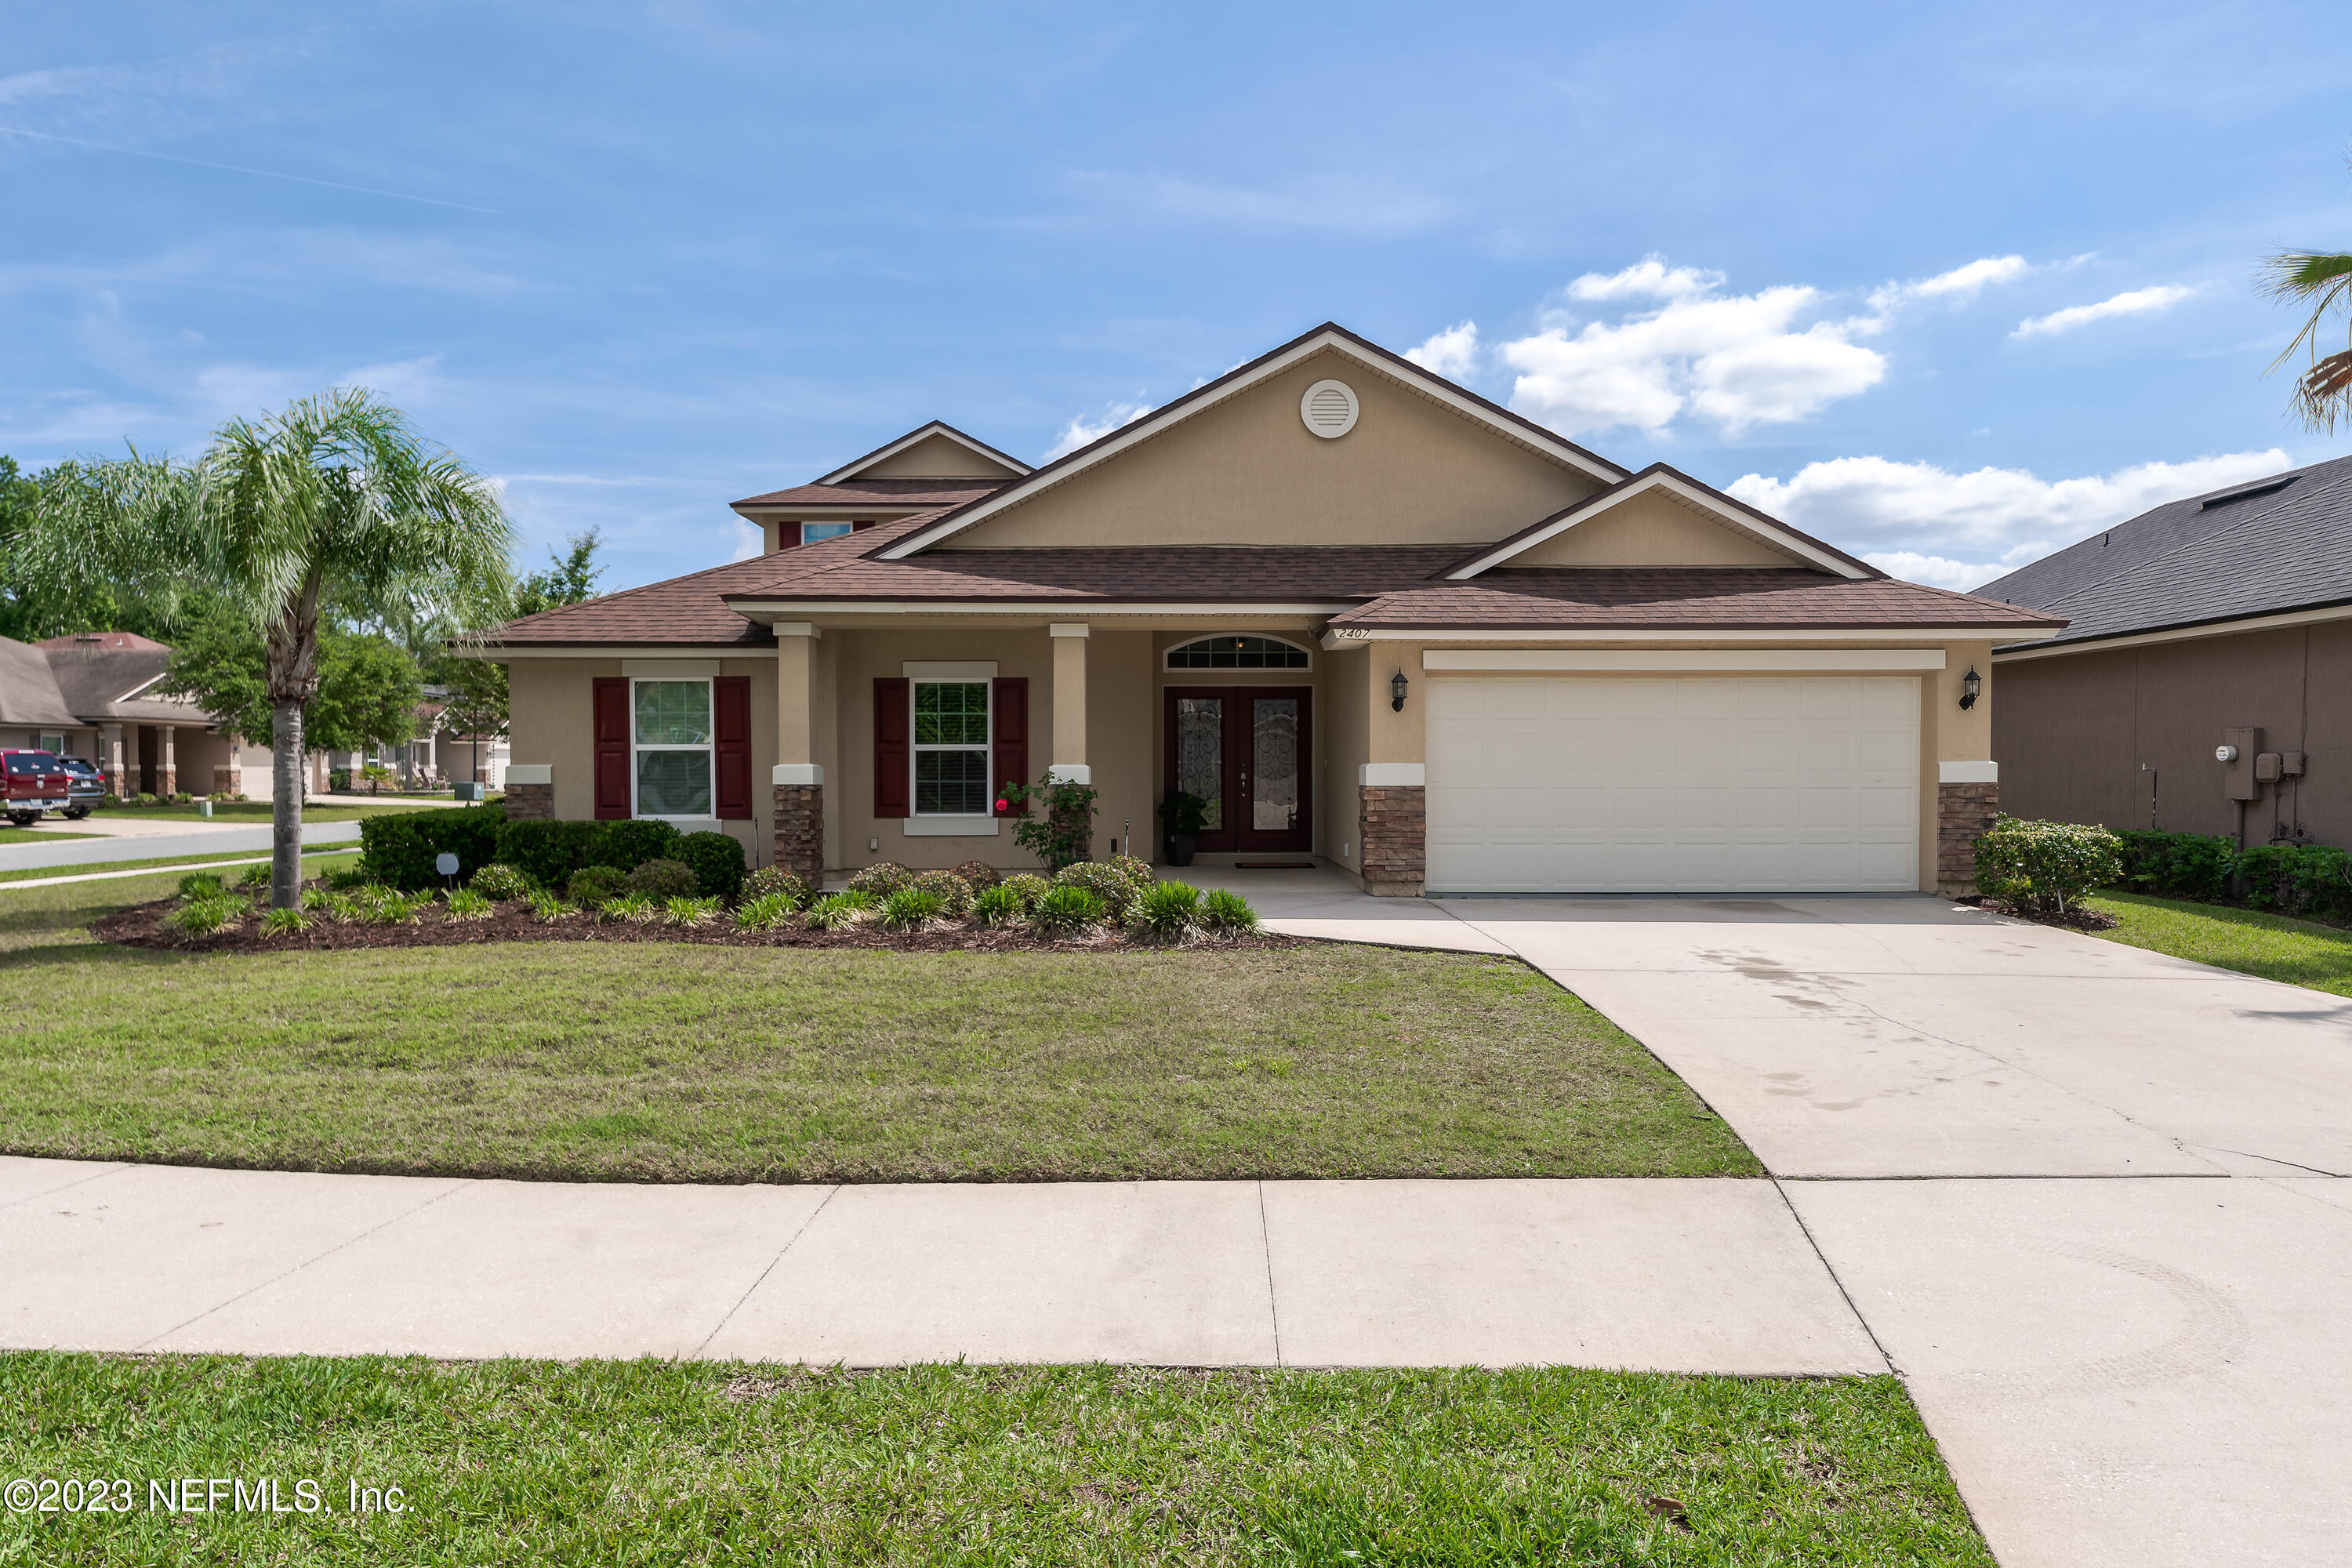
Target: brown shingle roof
{"points": [[1215, 573], [879, 493], [1699, 597]]}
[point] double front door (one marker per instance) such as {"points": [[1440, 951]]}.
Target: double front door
{"points": [[1246, 749]]}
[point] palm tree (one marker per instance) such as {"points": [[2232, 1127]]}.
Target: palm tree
{"points": [[2324, 393], [334, 505]]}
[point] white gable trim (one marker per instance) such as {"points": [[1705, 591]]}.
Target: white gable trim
{"points": [[1681, 489], [1436, 388], [936, 427]]}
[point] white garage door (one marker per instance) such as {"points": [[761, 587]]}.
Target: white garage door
{"points": [[1557, 784]]}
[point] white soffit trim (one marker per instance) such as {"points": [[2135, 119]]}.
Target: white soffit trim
{"points": [[2179, 634], [855, 466], [1727, 637], [1394, 775], [802, 774], [1667, 659], [1730, 517], [948, 668], [1433, 387], [1968, 773], [668, 668], [531, 773], [949, 826]]}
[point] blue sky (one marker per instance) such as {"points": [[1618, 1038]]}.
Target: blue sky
{"points": [[1948, 288]]}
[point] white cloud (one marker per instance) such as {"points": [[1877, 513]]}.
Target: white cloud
{"points": [[1080, 432], [2135, 302], [1956, 530], [1452, 354], [1959, 285], [1734, 361]]}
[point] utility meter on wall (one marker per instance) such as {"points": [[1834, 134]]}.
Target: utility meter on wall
{"points": [[2225, 753]]}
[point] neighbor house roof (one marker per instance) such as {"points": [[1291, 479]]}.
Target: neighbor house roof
{"points": [[88, 677], [29, 690], [2264, 548]]}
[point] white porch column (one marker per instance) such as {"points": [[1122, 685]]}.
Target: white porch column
{"points": [[797, 781], [1069, 760]]}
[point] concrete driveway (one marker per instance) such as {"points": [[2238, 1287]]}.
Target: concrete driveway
{"points": [[2087, 1198]]}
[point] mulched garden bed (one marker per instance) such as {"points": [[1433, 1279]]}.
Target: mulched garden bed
{"points": [[142, 925], [2072, 920]]}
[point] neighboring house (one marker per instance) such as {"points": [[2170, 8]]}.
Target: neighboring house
{"points": [[2221, 621], [89, 694], [1368, 616]]}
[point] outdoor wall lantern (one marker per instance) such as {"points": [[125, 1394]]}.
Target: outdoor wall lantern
{"points": [[1396, 692], [1970, 684]]}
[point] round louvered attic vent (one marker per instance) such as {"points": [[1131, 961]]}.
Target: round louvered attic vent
{"points": [[1329, 409]]}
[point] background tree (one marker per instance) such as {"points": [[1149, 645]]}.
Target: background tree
{"points": [[30, 611], [477, 688], [2323, 281], [336, 501]]}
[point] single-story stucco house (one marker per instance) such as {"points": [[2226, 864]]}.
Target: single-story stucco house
{"points": [[1372, 618], [91, 695], [2199, 685]]}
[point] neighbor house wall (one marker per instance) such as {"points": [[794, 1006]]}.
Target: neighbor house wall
{"points": [[2125, 737]]}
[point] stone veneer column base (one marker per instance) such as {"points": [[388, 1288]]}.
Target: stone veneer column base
{"points": [[530, 802], [800, 831], [1963, 811], [228, 780], [1393, 839]]}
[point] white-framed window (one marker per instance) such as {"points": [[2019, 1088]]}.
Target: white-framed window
{"points": [[670, 762], [813, 531], [951, 738], [1234, 651], [54, 743]]}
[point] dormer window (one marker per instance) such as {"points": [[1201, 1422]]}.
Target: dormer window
{"points": [[813, 531]]}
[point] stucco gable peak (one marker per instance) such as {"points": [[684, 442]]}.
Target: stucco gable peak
{"points": [[938, 427]]}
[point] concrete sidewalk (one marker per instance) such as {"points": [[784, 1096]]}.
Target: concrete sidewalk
{"points": [[1691, 1276]]}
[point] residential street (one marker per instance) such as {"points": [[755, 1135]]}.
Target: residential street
{"points": [[2084, 1196]]}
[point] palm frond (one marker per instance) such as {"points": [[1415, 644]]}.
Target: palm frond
{"points": [[2322, 280]]}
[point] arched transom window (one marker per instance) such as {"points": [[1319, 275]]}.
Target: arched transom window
{"points": [[1236, 653]]}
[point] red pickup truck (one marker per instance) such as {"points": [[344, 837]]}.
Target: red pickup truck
{"points": [[38, 782]]}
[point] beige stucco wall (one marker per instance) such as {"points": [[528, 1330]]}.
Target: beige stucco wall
{"points": [[1246, 471], [1344, 716], [937, 457], [1652, 530]]}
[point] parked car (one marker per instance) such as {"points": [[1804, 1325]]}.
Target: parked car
{"points": [[86, 789], [38, 782]]}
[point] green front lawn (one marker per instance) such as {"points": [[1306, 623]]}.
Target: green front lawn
{"points": [[659, 1061], [2276, 947], [114, 897], [656, 1462], [12, 834]]}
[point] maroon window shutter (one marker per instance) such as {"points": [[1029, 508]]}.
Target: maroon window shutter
{"points": [[731, 723], [1011, 736], [861, 527], [893, 768], [611, 704]]}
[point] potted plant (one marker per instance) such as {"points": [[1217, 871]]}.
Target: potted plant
{"points": [[1184, 816]]}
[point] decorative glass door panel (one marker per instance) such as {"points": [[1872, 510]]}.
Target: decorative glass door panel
{"points": [[1247, 751]]}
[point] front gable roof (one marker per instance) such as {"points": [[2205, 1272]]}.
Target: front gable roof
{"points": [[1329, 338], [1659, 478], [914, 437]]}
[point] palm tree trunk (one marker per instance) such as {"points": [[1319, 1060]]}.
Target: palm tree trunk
{"points": [[286, 807]]}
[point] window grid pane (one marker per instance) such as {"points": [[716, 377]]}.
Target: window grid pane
{"points": [[1236, 653], [673, 784], [951, 783], [673, 713], [951, 713]]}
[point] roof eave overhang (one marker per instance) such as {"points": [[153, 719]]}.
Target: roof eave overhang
{"points": [[1241, 379], [2180, 631], [1706, 633]]}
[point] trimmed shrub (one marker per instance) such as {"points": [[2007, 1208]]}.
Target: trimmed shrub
{"points": [[201, 885], [1137, 870], [2314, 879], [471, 904], [1167, 909], [1226, 913], [499, 880], [836, 909], [882, 878], [767, 911], [998, 906], [664, 880], [1068, 911], [546, 852], [399, 848], [2194, 866], [952, 891], [345, 877], [1026, 888], [774, 881], [2045, 868], [980, 874], [716, 859], [683, 911], [912, 908], [627, 843], [596, 885], [1104, 880], [145, 799]]}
